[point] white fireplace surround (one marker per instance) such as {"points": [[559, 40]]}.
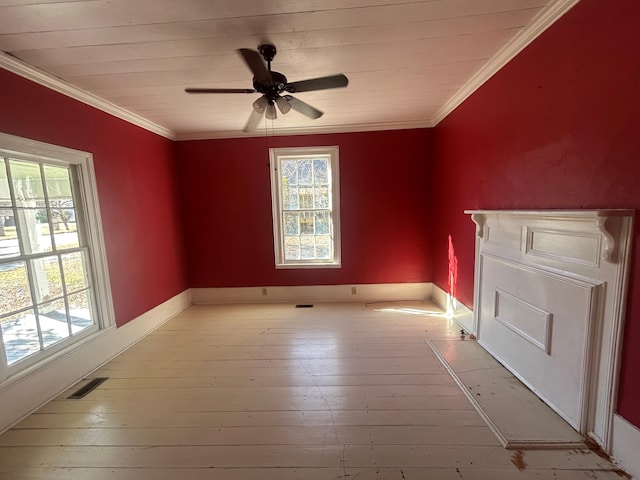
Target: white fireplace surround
{"points": [[549, 304]]}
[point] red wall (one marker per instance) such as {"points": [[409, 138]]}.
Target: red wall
{"points": [[558, 127], [384, 199], [135, 172]]}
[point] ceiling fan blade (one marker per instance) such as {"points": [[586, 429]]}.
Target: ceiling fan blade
{"points": [[219, 90], [253, 122], [321, 83], [256, 64], [302, 107]]}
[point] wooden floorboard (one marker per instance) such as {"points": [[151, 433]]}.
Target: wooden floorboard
{"points": [[339, 391]]}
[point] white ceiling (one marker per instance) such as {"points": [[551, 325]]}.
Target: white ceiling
{"points": [[409, 63]]}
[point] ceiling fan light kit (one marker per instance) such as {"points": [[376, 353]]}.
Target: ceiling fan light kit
{"points": [[283, 105], [272, 85]]}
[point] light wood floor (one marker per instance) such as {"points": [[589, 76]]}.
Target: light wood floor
{"points": [[338, 391]]}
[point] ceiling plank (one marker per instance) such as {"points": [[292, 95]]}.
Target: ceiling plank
{"points": [[178, 55], [44, 17]]}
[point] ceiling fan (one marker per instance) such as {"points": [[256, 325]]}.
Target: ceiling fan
{"points": [[273, 85]]}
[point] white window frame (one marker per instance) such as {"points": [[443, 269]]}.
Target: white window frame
{"points": [[276, 155], [31, 150]]}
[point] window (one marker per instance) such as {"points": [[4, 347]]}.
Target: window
{"points": [[305, 199], [52, 268]]}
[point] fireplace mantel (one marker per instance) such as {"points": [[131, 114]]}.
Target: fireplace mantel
{"points": [[549, 303], [599, 218]]}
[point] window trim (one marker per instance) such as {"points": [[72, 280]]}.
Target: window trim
{"points": [[275, 154], [32, 150]]}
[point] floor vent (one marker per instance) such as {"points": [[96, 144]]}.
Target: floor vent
{"points": [[304, 306], [82, 391]]}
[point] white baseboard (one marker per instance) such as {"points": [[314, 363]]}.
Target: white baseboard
{"points": [[440, 298], [624, 446], [462, 315], [22, 396], [315, 293]]}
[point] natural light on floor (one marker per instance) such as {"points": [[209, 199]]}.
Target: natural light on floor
{"points": [[414, 311]]}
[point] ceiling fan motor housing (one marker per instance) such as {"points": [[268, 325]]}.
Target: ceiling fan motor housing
{"points": [[278, 81], [271, 90]]}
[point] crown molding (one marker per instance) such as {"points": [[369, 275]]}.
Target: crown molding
{"points": [[543, 20], [29, 72], [280, 132]]}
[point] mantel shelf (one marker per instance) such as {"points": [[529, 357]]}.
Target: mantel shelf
{"points": [[593, 213], [599, 217]]}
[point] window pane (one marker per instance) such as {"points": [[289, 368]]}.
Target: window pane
{"points": [[16, 294], [320, 171], [51, 267], [291, 248], [321, 197], [305, 173], [53, 322], [64, 229], [61, 206], [5, 197], [306, 223], [46, 280], [33, 229], [289, 169], [7, 223], [58, 184], [307, 248], [323, 223], [291, 223], [323, 247], [20, 335], [75, 277], [42, 229], [27, 184], [8, 239], [80, 311], [306, 197], [290, 198]]}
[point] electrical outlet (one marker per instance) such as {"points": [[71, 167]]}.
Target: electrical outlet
{"points": [[264, 291], [354, 290]]}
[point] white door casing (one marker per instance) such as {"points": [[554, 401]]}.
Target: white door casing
{"points": [[549, 300]]}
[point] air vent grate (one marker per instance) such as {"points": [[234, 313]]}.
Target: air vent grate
{"points": [[89, 387]]}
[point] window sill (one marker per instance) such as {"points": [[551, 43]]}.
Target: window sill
{"points": [[307, 265]]}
